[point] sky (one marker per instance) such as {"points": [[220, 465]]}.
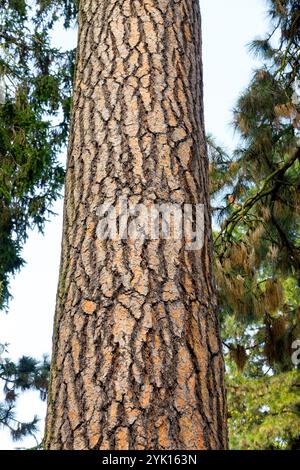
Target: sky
{"points": [[228, 26]]}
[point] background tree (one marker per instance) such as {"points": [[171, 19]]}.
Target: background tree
{"points": [[26, 374], [35, 86], [257, 249]]}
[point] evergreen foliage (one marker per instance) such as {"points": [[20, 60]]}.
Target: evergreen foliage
{"points": [[26, 374], [35, 88], [257, 247]]}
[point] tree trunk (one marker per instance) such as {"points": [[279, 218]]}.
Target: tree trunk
{"points": [[137, 358]]}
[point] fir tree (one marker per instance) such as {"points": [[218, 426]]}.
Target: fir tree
{"points": [[35, 85]]}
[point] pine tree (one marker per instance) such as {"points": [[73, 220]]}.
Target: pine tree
{"points": [[257, 249], [26, 374], [137, 358]]}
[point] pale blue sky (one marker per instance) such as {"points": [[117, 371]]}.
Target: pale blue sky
{"points": [[228, 26]]}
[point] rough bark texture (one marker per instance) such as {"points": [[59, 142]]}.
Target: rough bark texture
{"points": [[137, 361]]}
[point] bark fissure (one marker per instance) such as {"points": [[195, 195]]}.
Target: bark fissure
{"points": [[137, 358]]}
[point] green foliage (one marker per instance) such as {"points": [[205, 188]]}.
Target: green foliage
{"points": [[26, 374], [266, 411], [257, 249], [35, 88], [57, 9]]}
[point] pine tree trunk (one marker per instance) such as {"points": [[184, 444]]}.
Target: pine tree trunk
{"points": [[137, 358]]}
